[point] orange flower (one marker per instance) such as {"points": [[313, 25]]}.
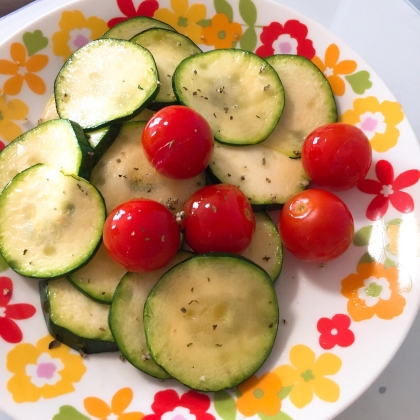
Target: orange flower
{"points": [[119, 403], [260, 395], [10, 112], [221, 33], [22, 69], [332, 68], [373, 290]]}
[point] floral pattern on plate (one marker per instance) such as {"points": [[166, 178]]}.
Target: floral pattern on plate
{"points": [[376, 285]]}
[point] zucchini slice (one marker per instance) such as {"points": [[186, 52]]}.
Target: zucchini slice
{"points": [[99, 140], [126, 316], [99, 277], [309, 103], [240, 94], [168, 48], [124, 173], [50, 223], [131, 27], [211, 321], [267, 177], [266, 248], [105, 81], [74, 319], [60, 143]]}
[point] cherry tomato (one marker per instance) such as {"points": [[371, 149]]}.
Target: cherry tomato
{"points": [[178, 142], [336, 156], [141, 235], [219, 218], [316, 226]]}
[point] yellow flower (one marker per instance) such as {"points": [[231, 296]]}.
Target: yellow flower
{"points": [[373, 290], [10, 112], [119, 403], [184, 18], [332, 68], [41, 372], [260, 395], [76, 31], [23, 69], [307, 376], [377, 120], [221, 33], [404, 236]]}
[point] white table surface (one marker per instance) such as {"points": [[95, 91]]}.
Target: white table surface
{"points": [[386, 33]]}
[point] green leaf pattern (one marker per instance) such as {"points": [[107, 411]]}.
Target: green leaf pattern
{"points": [[225, 405], [249, 39], [67, 412], [248, 12], [222, 6]]}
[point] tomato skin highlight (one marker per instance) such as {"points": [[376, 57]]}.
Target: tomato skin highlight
{"points": [[178, 142], [316, 226], [336, 156], [219, 218], [141, 235]]}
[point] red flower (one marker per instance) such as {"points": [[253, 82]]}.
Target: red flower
{"points": [[9, 330], [287, 39], [388, 190], [192, 402], [335, 331], [146, 8]]}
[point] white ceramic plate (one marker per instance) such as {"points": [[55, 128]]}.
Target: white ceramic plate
{"points": [[341, 323]]}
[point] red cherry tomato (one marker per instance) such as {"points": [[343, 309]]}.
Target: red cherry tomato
{"points": [[218, 218], [141, 235], [178, 142], [336, 156], [316, 226]]}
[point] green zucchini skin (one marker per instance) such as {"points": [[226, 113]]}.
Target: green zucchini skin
{"points": [[99, 140], [168, 48], [133, 26], [310, 103], [61, 143], [266, 248], [82, 88], [126, 316], [202, 315], [50, 223], [239, 94], [98, 278], [66, 336]]}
